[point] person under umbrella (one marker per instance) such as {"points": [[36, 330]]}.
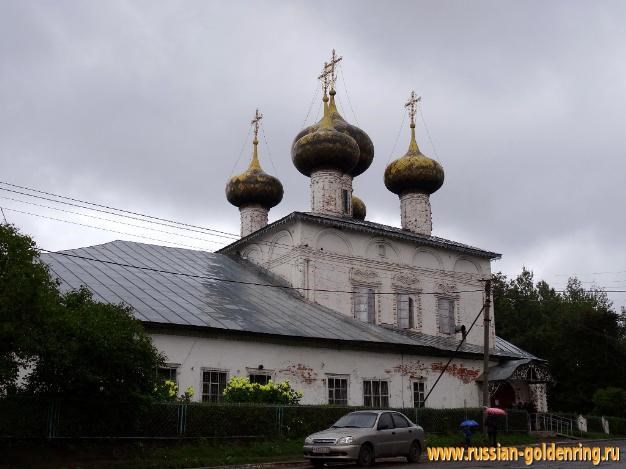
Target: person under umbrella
{"points": [[466, 427]]}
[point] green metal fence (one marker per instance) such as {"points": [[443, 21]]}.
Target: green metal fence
{"points": [[37, 418]]}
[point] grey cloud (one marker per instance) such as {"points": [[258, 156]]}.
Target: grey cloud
{"points": [[146, 106]]}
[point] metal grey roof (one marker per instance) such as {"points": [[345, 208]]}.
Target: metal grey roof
{"points": [[183, 287], [369, 227]]}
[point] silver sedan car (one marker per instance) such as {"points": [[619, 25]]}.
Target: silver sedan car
{"points": [[365, 435]]}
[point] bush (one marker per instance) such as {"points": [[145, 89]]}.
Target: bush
{"points": [[610, 401], [617, 426], [240, 389]]}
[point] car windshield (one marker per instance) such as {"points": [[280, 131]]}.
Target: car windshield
{"points": [[356, 420]]}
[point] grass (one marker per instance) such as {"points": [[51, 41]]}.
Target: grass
{"points": [[180, 454], [149, 454]]}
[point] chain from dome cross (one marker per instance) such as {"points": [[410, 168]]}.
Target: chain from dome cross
{"points": [[411, 105], [256, 123], [329, 73]]}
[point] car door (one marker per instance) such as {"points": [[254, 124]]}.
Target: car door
{"points": [[385, 436], [404, 434]]}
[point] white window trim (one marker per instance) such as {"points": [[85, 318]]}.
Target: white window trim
{"points": [[455, 300], [386, 380], [369, 286], [217, 370], [338, 376], [420, 380]]}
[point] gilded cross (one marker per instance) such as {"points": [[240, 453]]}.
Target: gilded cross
{"points": [[256, 122], [329, 74], [411, 105]]}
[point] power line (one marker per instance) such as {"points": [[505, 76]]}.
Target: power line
{"points": [[103, 219], [220, 279], [428, 133], [104, 229], [454, 353], [106, 207], [243, 147], [4, 216], [343, 80], [395, 143]]}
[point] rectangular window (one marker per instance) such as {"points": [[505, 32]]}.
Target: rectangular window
{"points": [[404, 310], [167, 373], [445, 312], [346, 201], [376, 393], [338, 390], [365, 304], [213, 385], [260, 378], [419, 392]]}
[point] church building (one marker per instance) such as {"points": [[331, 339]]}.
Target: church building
{"points": [[351, 312]]}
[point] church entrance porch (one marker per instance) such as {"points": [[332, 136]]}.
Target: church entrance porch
{"points": [[519, 384]]}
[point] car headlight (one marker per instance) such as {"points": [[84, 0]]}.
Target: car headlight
{"points": [[308, 440], [346, 440]]}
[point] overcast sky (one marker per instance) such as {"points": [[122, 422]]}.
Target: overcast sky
{"points": [[146, 106]]}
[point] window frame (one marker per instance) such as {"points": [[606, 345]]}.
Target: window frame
{"points": [[452, 301], [371, 309], [334, 377], [376, 396], [206, 397], [170, 367], [411, 301], [418, 392]]}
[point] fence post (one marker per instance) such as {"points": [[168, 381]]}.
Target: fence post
{"points": [[182, 419], [52, 418]]}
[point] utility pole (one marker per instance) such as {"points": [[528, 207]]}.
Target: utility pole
{"points": [[486, 321]]}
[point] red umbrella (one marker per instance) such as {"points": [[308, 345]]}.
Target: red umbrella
{"points": [[495, 411]]}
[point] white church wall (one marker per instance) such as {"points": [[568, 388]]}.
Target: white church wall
{"points": [[308, 368], [318, 257]]}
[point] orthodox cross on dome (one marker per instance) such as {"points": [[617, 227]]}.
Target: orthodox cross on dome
{"points": [[329, 74], [411, 105], [256, 123]]}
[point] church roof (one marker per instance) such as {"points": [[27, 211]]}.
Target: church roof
{"points": [[377, 229], [186, 288]]}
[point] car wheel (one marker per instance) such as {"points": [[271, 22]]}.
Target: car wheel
{"points": [[366, 456], [415, 451]]}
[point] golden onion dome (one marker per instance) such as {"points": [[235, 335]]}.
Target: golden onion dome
{"points": [[358, 208], [366, 147], [254, 186], [414, 172], [324, 148]]}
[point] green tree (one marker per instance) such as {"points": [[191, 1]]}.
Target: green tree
{"points": [[576, 331], [610, 401], [27, 295], [68, 344]]}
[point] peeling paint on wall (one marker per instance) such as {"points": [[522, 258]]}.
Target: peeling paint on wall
{"points": [[467, 375], [413, 370], [302, 372]]}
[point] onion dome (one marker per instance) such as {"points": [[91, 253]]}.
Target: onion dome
{"points": [[254, 186], [414, 172], [366, 147], [324, 148], [358, 208]]}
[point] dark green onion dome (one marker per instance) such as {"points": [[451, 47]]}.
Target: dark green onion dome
{"points": [[324, 148], [254, 186], [366, 147], [358, 208], [414, 172]]}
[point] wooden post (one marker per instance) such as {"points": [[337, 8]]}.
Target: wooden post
{"points": [[486, 321]]}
